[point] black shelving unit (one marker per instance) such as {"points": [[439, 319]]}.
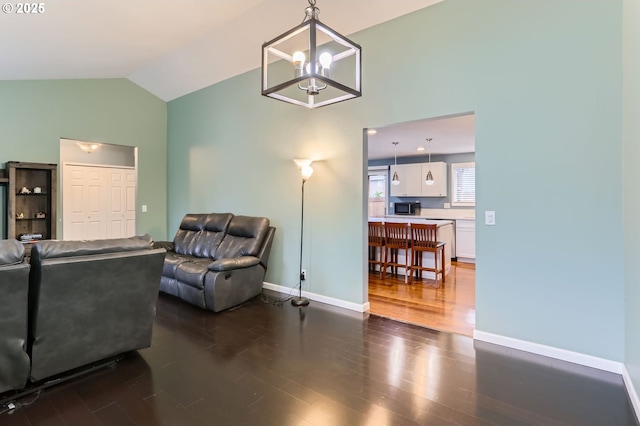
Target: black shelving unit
{"points": [[31, 201]]}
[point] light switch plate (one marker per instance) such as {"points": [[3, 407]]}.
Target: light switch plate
{"points": [[489, 217], [144, 208], [447, 205]]}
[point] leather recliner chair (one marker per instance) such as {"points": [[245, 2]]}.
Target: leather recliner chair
{"points": [[90, 300], [217, 260]]}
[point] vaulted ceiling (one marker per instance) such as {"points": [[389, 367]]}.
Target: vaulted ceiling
{"points": [[170, 48]]}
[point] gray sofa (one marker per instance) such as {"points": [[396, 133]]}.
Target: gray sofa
{"points": [[90, 300], [14, 290], [217, 260]]}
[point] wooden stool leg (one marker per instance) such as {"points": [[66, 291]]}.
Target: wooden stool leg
{"points": [[410, 272], [442, 265]]}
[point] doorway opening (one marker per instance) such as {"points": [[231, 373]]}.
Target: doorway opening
{"points": [[444, 149]]}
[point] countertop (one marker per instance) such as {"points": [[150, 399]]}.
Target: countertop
{"points": [[409, 219]]}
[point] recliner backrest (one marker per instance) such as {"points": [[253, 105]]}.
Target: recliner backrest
{"points": [[53, 248], [90, 300], [200, 235], [245, 237], [14, 291]]}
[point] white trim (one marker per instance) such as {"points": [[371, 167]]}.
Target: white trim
{"points": [[319, 298], [557, 353], [104, 166], [378, 169], [631, 391]]}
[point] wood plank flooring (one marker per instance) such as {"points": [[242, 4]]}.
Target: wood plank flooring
{"points": [[264, 364], [451, 307]]}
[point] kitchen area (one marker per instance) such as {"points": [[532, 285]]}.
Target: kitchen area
{"points": [[424, 172], [456, 228]]}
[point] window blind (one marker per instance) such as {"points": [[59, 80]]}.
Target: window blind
{"points": [[464, 183]]}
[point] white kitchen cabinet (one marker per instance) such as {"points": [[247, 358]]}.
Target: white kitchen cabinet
{"points": [[439, 187], [412, 178], [410, 181], [466, 241]]}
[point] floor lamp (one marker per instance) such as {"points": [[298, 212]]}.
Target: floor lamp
{"points": [[306, 171]]}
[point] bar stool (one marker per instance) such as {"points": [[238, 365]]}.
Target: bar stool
{"points": [[396, 238], [376, 246], [424, 239]]}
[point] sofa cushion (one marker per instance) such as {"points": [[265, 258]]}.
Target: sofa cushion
{"points": [[171, 263], [245, 236], [193, 273], [200, 234]]}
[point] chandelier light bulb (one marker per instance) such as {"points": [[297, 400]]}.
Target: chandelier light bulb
{"points": [[298, 59], [298, 63], [325, 60]]}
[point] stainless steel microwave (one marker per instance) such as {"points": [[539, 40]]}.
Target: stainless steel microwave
{"points": [[409, 209]]}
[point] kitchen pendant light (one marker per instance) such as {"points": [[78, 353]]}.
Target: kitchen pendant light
{"points": [[429, 179], [311, 65], [395, 180]]}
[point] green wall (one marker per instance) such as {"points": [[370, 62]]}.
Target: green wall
{"points": [[34, 115], [631, 157], [544, 80]]}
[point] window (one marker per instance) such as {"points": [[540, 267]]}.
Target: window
{"points": [[463, 184]]}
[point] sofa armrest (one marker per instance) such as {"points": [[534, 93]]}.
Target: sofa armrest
{"points": [[233, 263], [167, 245]]}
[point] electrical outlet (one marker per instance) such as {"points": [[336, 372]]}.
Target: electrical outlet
{"points": [[303, 274]]}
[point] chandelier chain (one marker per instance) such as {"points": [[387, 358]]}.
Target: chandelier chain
{"points": [[311, 11]]}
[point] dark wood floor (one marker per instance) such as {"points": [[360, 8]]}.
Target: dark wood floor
{"points": [[263, 364]]}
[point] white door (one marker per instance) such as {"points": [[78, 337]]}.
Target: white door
{"points": [[122, 203], [98, 202]]}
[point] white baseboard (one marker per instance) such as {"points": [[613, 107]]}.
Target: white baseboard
{"points": [[551, 352], [631, 391], [318, 298]]}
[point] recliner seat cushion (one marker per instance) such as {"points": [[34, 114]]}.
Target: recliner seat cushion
{"points": [[171, 263], [193, 273]]}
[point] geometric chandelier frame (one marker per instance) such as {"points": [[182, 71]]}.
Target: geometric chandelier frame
{"points": [[311, 64]]}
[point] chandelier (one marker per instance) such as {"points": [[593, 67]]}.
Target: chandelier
{"points": [[311, 65]]}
